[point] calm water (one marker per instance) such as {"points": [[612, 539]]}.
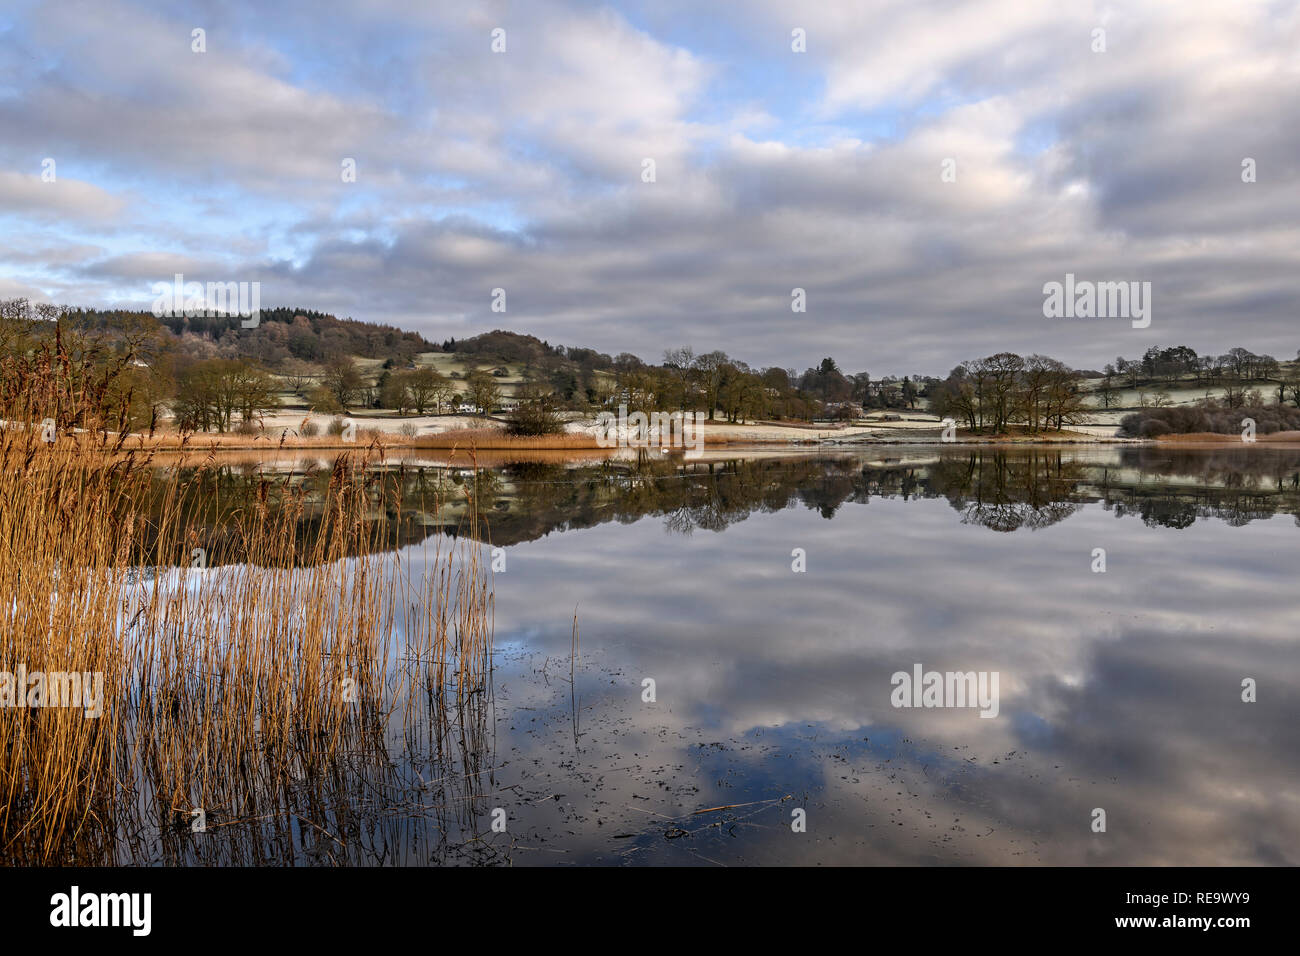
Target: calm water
{"points": [[1118, 690]]}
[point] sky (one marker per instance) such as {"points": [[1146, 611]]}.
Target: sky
{"points": [[920, 169]]}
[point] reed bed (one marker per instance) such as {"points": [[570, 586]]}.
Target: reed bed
{"points": [[488, 439], [262, 660], [368, 435]]}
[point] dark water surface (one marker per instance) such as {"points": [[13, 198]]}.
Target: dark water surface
{"points": [[1119, 690]]}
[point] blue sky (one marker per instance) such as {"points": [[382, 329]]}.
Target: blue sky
{"points": [[774, 169]]}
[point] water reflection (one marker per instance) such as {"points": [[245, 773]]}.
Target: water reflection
{"points": [[1119, 690], [1003, 490]]}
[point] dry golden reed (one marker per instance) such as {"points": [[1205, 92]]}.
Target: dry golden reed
{"points": [[491, 439], [242, 659]]}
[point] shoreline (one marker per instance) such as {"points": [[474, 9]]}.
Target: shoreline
{"points": [[214, 443], [472, 441]]}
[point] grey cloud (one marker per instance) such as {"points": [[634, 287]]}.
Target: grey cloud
{"points": [[522, 171]]}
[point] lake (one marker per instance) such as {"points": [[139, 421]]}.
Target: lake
{"points": [[694, 664]]}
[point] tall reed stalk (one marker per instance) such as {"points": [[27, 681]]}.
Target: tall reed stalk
{"points": [[250, 650]]}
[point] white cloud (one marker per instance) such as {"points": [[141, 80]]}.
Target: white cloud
{"points": [[522, 169]]}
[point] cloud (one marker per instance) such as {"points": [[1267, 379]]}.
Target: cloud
{"points": [[58, 200], [1119, 690], [775, 170]]}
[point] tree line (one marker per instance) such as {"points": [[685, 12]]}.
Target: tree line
{"points": [[990, 394], [1180, 364], [129, 370]]}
